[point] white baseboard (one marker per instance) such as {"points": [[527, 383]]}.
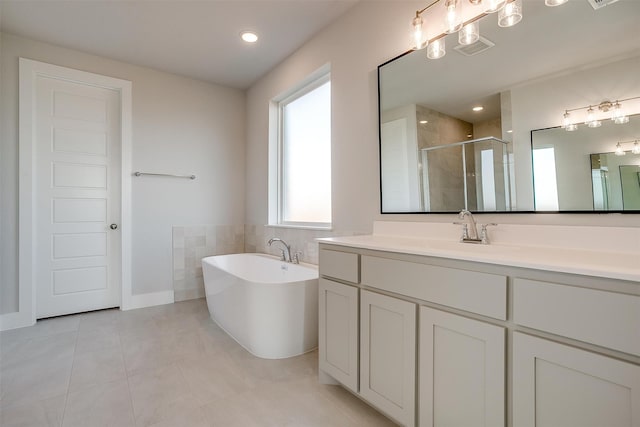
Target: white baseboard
{"points": [[15, 320], [150, 299]]}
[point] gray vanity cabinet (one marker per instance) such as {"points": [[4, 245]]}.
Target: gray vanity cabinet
{"points": [[338, 338], [437, 342], [388, 355], [462, 371], [559, 385]]}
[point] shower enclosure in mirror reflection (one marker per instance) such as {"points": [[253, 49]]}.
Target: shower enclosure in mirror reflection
{"points": [[472, 175], [594, 175]]}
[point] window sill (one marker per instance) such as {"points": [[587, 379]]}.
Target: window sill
{"points": [[302, 227]]}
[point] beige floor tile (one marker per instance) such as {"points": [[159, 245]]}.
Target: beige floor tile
{"points": [[102, 405], [147, 355], [61, 345], [98, 367], [195, 417], [102, 320], [159, 394], [43, 413], [35, 379], [214, 377], [94, 340]]}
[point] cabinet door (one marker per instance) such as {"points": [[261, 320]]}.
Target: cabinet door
{"points": [[557, 385], [462, 371], [388, 355], [338, 332]]}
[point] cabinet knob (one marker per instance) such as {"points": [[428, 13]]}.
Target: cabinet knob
{"points": [[113, 226]]}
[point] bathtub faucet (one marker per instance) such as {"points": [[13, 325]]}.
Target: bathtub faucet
{"points": [[286, 252]]}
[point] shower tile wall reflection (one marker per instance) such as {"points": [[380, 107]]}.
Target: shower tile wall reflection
{"points": [[190, 245]]}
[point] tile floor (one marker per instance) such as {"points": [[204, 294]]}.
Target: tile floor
{"points": [[160, 366]]}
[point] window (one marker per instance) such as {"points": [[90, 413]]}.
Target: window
{"points": [[545, 184], [304, 156]]}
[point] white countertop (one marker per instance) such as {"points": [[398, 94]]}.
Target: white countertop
{"points": [[614, 265]]}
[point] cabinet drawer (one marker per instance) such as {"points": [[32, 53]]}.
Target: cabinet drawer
{"points": [[340, 265], [598, 317], [480, 293]]}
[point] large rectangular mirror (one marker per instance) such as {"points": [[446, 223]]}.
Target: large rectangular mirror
{"points": [[438, 154]]}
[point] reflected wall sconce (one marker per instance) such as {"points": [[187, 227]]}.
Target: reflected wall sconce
{"points": [[617, 115], [509, 14]]}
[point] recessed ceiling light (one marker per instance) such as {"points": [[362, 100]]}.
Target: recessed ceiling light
{"points": [[249, 36], [469, 135], [423, 122], [478, 108], [509, 131]]}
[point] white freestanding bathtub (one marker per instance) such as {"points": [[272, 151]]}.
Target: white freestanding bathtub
{"points": [[268, 306]]}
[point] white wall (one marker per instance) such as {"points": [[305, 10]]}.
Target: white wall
{"points": [[180, 125], [366, 36]]}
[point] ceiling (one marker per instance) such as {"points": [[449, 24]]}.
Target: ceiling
{"points": [[549, 40], [198, 39]]}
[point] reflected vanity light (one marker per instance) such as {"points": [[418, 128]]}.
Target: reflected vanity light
{"points": [[510, 14], [591, 119], [469, 34], [635, 149], [553, 3], [618, 115], [436, 49]]}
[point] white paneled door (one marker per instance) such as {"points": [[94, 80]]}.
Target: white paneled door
{"points": [[76, 197]]}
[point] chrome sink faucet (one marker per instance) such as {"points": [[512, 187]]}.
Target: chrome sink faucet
{"points": [[286, 252], [470, 229]]}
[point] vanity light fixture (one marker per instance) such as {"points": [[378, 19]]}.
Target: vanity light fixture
{"points": [[468, 31], [618, 115], [635, 149], [436, 49], [591, 119], [510, 14], [553, 3], [567, 123], [469, 34]]}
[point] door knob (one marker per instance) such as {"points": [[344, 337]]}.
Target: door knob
{"points": [[113, 226]]}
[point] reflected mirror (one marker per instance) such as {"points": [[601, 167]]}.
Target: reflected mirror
{"points": [[599, 167], [438, 153]]}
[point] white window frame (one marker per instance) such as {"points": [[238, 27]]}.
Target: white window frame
{"points": [[276, 163]]}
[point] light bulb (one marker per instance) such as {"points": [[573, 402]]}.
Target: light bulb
{"points": [[418, 34], [510, 14], [619, 151], [618, 115], [567, 123], [636, 148], [436, 49], [469, 34], [454, 17], [494, 5], [591, 119], [249, 36], [554, 2]]}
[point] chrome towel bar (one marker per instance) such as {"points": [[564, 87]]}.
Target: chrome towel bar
{"points": [[164, 174]]}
